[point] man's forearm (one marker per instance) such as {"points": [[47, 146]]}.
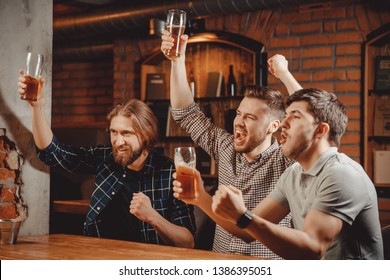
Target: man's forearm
{"points": [[172, 234], [181, 95], [290, 82], [41, 130]]}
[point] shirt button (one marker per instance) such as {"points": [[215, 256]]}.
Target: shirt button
{"points": [[113, 193], [124, 175], [98, 208]]}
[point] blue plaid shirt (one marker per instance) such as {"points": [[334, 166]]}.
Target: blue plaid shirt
{"points": [[156, 183]]}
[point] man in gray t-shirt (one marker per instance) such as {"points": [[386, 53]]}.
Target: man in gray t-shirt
{"points": [[332, 201], [338, 186]]}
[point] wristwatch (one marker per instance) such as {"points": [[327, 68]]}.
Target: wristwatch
{"points": [[245, 219]]}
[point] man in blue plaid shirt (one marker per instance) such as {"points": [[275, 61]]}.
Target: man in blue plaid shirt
{"points": [[133, 197]]}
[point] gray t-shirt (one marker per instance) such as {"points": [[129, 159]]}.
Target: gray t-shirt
{"points": [[336, 185]]}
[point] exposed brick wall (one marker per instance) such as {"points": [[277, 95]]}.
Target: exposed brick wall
{"points": [[323, 48], [82, 92], [11, 203]]}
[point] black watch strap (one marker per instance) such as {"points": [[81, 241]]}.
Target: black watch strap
{"points": [[245, 219]]}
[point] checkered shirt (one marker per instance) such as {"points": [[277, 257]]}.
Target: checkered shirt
{"points": [[156, 183], [255, 179]]}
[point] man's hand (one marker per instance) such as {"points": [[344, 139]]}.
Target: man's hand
{"points": [[22, 89], [228, 203], [277, 65], [141, 207], [200, 191], [167, 44]]}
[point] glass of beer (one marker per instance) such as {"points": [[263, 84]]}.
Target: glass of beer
{"points": [[34, 66], [176, 24], [185, 163]]}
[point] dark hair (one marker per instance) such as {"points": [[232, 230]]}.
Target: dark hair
{"points": [[272, 97], [326, 108], [143, 120]]}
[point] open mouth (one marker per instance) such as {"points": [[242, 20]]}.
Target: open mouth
{"points": [[283, 138], [239, 136], [121, 149]]}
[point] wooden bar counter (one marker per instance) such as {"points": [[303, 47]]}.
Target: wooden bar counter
{"points": [[77, 247]]}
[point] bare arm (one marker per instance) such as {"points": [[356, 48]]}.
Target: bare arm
{"points": [[41, 130], [278, 66], [319, 231], [310, 243], [181, 95], [172, 234]]}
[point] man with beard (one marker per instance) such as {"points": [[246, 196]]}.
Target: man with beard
{"points": [[133, 198], [251, 159], [331, 199]]}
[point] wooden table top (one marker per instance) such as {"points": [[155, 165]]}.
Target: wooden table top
{"points": [[76, 247]]}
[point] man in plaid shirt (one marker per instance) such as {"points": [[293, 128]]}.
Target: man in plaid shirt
{"points": [[250, 159], [133, 198]]}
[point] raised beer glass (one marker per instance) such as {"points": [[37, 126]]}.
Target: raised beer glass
{"points": [[34, 66], [176, 24], [185, 163]]}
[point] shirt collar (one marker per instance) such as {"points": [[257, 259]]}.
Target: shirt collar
{"points": [[322, 160]]}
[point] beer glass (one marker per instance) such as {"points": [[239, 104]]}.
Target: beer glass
{"points": [[34, 66], [176, 24], [185, 163]]}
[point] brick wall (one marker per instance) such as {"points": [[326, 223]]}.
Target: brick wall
{"points": [[82, 92], [323, 47], [11, 202]]}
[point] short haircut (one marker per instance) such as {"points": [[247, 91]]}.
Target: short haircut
{"points": [[326, 108], [272, 97]]}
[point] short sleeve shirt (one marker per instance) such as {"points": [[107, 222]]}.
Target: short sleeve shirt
{"points": [[336, 185]]}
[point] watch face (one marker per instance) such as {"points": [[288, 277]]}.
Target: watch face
{"points": [[245, 219]]}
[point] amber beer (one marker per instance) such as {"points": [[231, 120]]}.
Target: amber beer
{"points": [[185, 175], [31, 91], [176, 23], [34, 66], [185, 163], [176, 31]]}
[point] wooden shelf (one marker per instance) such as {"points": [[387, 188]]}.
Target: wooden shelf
{"points": [[377, 44], [211, 51]]}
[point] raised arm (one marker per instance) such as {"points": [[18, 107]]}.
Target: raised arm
{"points": [[278, 66], [181, 95], [41, 130]]}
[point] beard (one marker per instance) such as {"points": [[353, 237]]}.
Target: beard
{"points": [[250, 145], [127, 157], [294, 149], [294, 152]]}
